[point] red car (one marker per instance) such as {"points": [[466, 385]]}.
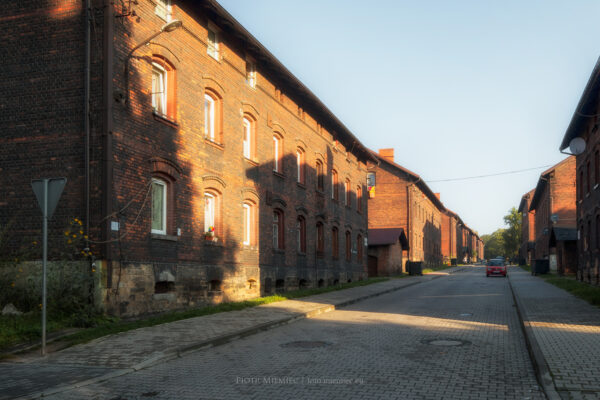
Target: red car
{"points": [[495, 266]]}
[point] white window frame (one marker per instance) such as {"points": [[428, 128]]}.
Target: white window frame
{"points": [[346, 193], [276, 153], [212, 47], [247, 224], [164, 9], [251, 74], [162, 231], [209, 117], [247, 142], [210, 208], [299, 164], [159, 99]]}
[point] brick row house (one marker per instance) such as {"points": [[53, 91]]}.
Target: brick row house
{"points": [[553, 205], [401, 202], [201, 168], [583, 140], [527, 247]]}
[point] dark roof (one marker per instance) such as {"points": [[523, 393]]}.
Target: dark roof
{"points": [[420, 183], [541, 185], [523, 206], [387, 236], [277, 72], [562, 234], [586, 107]]}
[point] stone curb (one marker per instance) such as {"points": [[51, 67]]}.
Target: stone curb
{"points": [[219, 340], [542, 371]]}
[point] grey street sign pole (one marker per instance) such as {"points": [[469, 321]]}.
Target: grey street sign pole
{"points": [[47, 191]]}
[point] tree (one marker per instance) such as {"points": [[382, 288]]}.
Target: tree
{"points": [[512, 234], [494, 244]]}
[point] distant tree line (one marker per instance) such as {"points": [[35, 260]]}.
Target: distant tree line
{"points": [[504, 242]]}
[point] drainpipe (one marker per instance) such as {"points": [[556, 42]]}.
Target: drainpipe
{"points": [[86, 120], [107, 161]]}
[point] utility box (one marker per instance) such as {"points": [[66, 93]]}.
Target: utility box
{"points": [[540, 266], [415, 268]]}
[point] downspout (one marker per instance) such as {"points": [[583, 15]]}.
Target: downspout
{"points": [[107, 156], [86, 120]]}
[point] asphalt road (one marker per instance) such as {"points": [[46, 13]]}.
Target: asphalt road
{"points": [[456, 337]]}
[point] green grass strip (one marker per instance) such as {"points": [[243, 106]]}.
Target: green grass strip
{"points": [[27, 327], [583, 290]]}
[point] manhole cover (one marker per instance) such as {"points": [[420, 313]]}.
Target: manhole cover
{"points": [[446, 342], [305, 344]]}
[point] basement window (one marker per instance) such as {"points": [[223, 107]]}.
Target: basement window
{"points": [[164, 287]]}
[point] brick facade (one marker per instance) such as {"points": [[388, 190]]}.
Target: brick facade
{"points": [[527, 247], [554, 198], [449, 244], [132, 144], [402, 200], [584, 125]]}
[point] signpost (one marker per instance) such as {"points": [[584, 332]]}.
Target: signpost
{"points": [[48, 192]]}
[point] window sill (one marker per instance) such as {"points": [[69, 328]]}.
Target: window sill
{"points": [[164, 119], [301, 185], [160, 236], [251, 161], [278, 174], [214, 144], [249, 247]]}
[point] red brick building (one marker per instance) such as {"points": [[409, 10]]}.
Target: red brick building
{"points": [[386, 247], [554, 204], [584, 126], [400, 199], [203, 170], [527, 248], [449, 242]]}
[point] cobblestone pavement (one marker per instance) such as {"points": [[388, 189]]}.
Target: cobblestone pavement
{"points": [[455, 338], [567, 330], [134, 349]]}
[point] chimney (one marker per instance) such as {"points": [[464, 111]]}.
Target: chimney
{"points": [[388, 154], [438, 196]]}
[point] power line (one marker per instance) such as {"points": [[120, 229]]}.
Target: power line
{"points": [[488, 175]]}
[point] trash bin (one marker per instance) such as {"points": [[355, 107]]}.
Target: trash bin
{"points": [[540, 266], [415, 268], [453, 261]]}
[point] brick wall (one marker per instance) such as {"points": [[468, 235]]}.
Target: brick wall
{"points": [[142, 146]]}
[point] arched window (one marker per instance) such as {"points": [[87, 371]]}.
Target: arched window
{"points": [[347, 193], [163, 87], [249, 126], [212, 214], [335, 247], [249, 223], [300, 167], [301, 227], [277, 153], [359, 249], [278, 230], [320, 176], [334, 185], [348, 246], [213, 112], [159, 206], [320, 239], [359, 199]]}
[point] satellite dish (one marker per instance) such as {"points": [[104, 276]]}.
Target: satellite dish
{"points": [[577, 146]]}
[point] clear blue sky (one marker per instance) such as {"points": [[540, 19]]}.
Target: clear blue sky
{"points": [[457, 88]]}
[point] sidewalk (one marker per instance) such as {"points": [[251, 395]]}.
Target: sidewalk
{"points": [[126, 352], [563, 334]]}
